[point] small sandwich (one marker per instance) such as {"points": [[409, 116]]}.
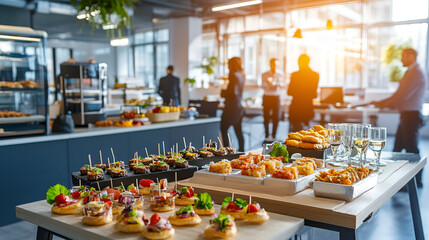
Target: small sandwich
{"points": [[159, 166], [158, 228], [155, 189], [144, 186], [118, 172], [220, 152], [185, 216], [85, 169], [117, 164], [185, 196], [230, 150], [254, 213], [97, 213], [140, 168], [131, 220], [190, 156], [204, 205], [79, 192], [170, 161], [204, 153], [233, 207], [95, 174], [180, 163], [125, 198], [147, 160], [163, 203], [221, 227], [61, 202], [159, 157], [102, 166]]}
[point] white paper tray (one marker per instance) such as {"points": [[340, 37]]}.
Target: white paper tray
{"points": [[344, 192]]}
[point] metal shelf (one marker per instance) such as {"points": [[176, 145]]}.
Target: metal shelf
{"points": [[4, 89], [34, 118]]}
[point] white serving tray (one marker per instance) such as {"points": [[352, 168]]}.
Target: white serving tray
{"points": [[286, 187], [344, 192], [210, 178]]}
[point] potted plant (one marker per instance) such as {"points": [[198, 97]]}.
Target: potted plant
{"points": [[392, 59]]}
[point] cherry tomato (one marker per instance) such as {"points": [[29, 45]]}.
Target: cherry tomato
{"points": [[61, 198], [154, 219], [146, 182], [252, 208], [75, 195]]}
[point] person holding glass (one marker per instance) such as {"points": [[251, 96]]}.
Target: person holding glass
{"points": [[272, 80], [233, 111], [408, 100]]}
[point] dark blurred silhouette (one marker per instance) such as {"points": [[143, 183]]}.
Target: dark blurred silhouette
{"points": [[303, 88], [272, 80], [169, 88], [408, 99], [233, 111]]}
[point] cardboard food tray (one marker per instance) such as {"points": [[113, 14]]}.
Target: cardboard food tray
{"points": [[307, 152], [200, 162], [182, 173], [345, 192]]}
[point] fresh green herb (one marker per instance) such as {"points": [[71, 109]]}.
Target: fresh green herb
{"points": [[96, 170], [55, 191], [240, 202], [160, 156], [105, 196], [180, 160], [119, 187], [280, 150], [86, 166], [204, 201], [222, 220], [185, 210], [183, 190], [116, 169], [226, 201], [140, 158]]}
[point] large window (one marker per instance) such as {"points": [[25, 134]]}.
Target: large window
{"points": [[151, 55]]}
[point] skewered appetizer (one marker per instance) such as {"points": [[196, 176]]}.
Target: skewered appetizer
{"points": [[189, 155], [95, 174], [141, 168], [185, 216], [222, 226], [113, 192], [101, 166], [155, 189], [204, 153], [223, 166], [347, 176], [118, 172], [253, 170], [159, 166], [159, 157], [173, 155], [97, 213], [286, 173], [230, 150], [125, 198], [147, 160], [233, 207], [85, 169], [131, 220], [158, 228], [204, 204], [181, 163], [185, 196], [117, 164], [211, 147], [138, 198], [254, 213], [144, 186], [170, 161], [220, 152], [79, 192], [61, 203], [191, 149], [163, 203]]}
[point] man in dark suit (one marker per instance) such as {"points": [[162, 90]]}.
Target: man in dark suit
{"points": [[408, 100], [169, 88], [303, 88]]}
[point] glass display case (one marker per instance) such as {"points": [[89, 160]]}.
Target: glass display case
{"points": [[23, 82]]}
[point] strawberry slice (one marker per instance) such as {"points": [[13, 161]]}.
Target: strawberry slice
{"points": [[154, 219], [61, 198], [75, 195], [253, 208], [146, 182]]}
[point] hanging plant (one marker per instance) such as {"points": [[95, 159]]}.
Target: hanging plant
{"points": [[99, 13], [392, 59]]}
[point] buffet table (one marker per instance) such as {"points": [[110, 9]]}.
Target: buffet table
{"points": [[338, 215], [70, 227]]}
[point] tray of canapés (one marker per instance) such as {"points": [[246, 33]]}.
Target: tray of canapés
{"points": [[263, 174], [122, 208]]}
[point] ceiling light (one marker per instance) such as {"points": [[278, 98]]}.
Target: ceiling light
{"points": [[81, 16], [236, 5], [119, 42], [30, 39], [297, 33], [109, 26], [329, 24]]}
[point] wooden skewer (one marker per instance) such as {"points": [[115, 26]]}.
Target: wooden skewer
{"points": [[177, 148], [250, 199], [175, 181], [159, 187], [204, 142], [123, 186], [163, 147], [108, 162], [184, 142], [80, 182], [173, 150], [146, 152], [137, 185], [90, 164], [98, 184], [114, 159], [229, 140], [159, 151], [220, 142], [111, 183], [210, 143], [190, 144], [101, 158], [233, 197]]}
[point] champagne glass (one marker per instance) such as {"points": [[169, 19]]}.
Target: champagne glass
{"points": [[361, 139], [377, 141], [347, 140], [334, 137]]}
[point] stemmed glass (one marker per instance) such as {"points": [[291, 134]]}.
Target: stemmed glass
{"points": [[347, 140], [361, 139], [334, 137], [377, 141]]}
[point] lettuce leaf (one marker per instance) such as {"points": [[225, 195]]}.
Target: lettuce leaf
{"points": [[222, 220], [240, 202], [280, 150], [55, 191], [226, 201], [204, 201]]}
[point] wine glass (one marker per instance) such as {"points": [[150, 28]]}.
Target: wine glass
{"points": [[361, 139], [334, 137], [347, 140], [377, 141]]}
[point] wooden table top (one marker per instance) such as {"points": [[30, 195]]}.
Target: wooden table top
{"points": [[278, 226], [352, 214]]}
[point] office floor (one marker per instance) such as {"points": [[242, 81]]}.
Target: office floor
{"points": [[393, 221]]}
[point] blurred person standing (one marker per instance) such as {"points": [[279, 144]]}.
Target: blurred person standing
{"points": [[272, 80], [408, 100], [303, 89], [233, 111], [169, 88]]}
